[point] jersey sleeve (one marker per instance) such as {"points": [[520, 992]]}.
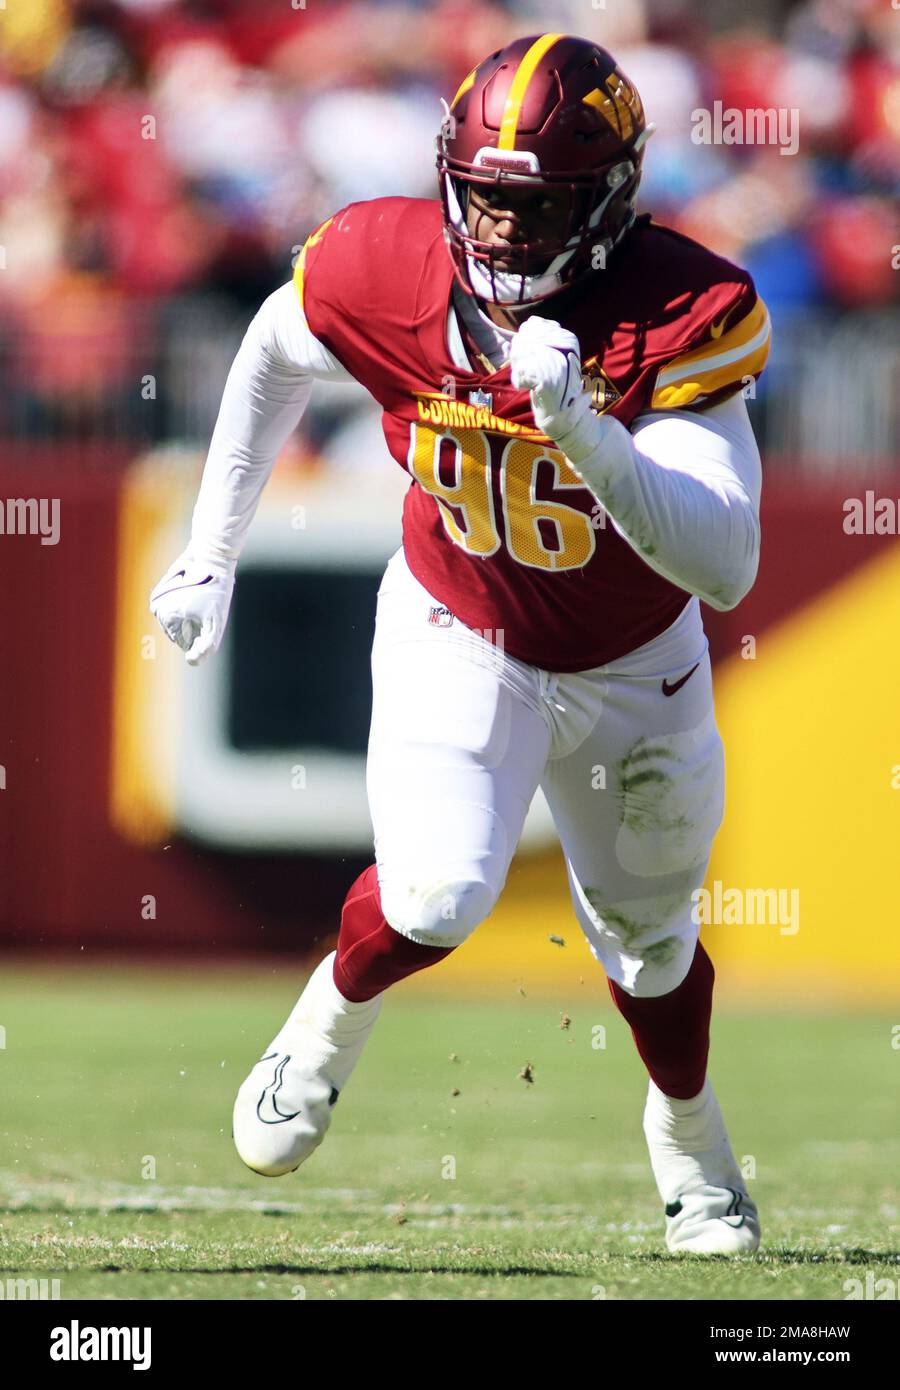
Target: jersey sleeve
{"points": [[304, 273], [730, 349], [331, 277], [356, 287], [290, 339]]}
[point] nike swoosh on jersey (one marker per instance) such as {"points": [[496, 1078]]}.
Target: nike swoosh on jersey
{"points": [[672, 687]]}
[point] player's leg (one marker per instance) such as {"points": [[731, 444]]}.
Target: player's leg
{"points": [[457, 745], [637, 805]]}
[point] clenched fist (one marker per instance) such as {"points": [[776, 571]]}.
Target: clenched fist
{"points": [[191, 603], [545, 359]]}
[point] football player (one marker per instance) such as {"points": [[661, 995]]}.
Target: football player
{"points": [[563, 381]]}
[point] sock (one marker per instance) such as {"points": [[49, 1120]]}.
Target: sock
{"points": [[370, 954], [327, 1029], [689, 1145], [671, 1032]]}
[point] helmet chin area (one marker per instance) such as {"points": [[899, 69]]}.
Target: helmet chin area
{"points": [[502, 287]]}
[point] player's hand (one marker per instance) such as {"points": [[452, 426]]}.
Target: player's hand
{"points": [[545, 359], [191, 603]]}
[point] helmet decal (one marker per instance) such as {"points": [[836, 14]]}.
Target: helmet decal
{"points": [[524, 73]]}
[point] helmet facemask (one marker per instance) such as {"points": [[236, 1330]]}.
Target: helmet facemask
{"points": [[546, 266]]}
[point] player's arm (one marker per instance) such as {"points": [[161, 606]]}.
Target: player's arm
{"points": [[683, 490], [265, 395]]}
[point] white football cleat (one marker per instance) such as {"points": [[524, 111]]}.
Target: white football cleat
{"points": [[712, 1221], [283, 1109], [708, 1208]]}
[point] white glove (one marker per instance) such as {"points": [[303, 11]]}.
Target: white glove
{"points": [[545, 359], [191, 603]]}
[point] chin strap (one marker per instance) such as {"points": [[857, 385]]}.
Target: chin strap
{"points": [[519, 291]]}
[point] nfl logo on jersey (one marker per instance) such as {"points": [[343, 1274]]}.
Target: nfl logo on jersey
{"points": [[484, 399], [440, 617]]}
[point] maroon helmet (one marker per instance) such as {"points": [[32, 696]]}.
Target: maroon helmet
{"points": [[550, 110]]}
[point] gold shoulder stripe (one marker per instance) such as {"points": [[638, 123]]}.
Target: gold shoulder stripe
{"points": [[516, 95], [727, 360], [300, 266]]}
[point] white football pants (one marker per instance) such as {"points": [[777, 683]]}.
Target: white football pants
{"points": [[463, 734]]}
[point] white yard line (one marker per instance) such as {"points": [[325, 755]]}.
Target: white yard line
{"points": [[16, 1194]]}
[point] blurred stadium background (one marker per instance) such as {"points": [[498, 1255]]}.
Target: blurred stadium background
{"points": [[160, 164]]}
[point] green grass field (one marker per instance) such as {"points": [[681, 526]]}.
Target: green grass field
{"points": [[119, 1177]]}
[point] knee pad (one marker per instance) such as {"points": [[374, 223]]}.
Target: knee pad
{"points": [[645, 945], [651, 971], [437, 913]]}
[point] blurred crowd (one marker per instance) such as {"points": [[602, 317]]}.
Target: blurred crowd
{"points": [[160, 156]]}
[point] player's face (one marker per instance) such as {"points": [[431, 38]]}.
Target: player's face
{"points": [[511, 217]]}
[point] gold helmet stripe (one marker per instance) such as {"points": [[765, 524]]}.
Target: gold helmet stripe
{"points": [[464, 86], [518, 88]]}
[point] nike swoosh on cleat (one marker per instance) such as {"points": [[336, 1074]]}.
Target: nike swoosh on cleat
{"points": [[672, 687], [732, 1218], [267, 1106]]}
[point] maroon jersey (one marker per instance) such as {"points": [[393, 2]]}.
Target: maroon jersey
{"points": [[496, 524]]}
